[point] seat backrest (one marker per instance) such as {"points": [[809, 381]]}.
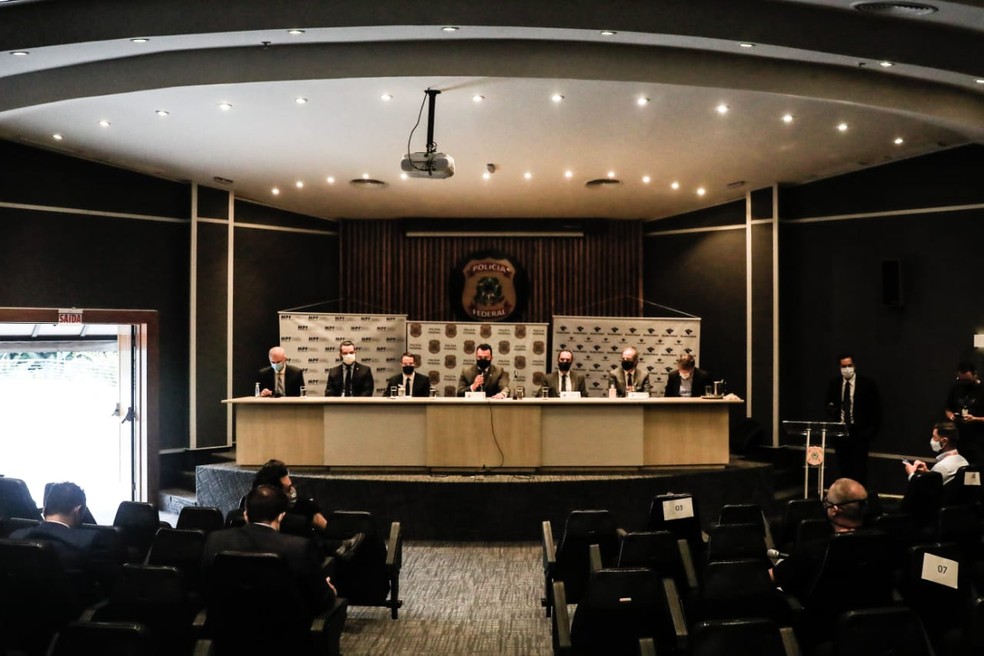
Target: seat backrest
{"points": [[111, 638], [179, 548], [736, 541], [811, 531], [736, 637], [583, 529], [363, 577], [200, 518], [139, 522], [744, 513], [796, 511], [678, 514], [923, 497], [343, 524], [657, 550], [855, 574], [740, 588], [887, 630], [961, 524], [235, 517], [967, 486], [16, 500], [619, 606], [11, 524], [937, 576]]}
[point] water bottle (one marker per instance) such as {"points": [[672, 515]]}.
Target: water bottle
{"points": [[612, 392], [256, 391]]}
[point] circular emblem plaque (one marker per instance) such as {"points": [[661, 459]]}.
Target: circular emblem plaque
{"points": [[488, 286], [814, 456]]}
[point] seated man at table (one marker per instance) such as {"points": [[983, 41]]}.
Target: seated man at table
{"points": [[627, 377], [414, 384], [280, 378], [350, 378], [562, 379], [483, 376], [687, 380]]}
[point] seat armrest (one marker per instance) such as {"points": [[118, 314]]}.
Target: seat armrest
{"points": [[198, 624], [687, 557], [549, 548], [203, 648], [561, 620], [647, 647], [677, 615], [90, 613], [621, 532], [789, 643], [594, 558], [394, 547]]}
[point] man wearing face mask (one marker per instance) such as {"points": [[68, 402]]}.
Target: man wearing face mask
{"points": [[350, 378], [944, 444], [627, 377], [413, 383], [562, 379], [965, 407], [687, 380], [483, 376], [853, 400], [280, 378]]}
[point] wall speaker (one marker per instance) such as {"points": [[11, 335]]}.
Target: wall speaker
{"points": [[891, 276]]}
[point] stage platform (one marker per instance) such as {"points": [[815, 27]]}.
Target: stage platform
{"points": [[499, 506]]}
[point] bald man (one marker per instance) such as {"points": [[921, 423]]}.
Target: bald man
{"points": [[280, 378]]}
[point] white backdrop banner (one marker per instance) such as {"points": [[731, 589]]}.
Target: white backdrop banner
{"points": [[444, 348], [598, 342], [311, 342]]}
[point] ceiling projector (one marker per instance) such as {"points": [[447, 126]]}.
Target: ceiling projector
{"points": [[436, 166]]}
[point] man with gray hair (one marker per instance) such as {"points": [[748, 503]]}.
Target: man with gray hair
{"points": [[280, 378]]}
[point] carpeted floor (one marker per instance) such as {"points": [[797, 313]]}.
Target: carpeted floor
{"points": [[459, 598]]}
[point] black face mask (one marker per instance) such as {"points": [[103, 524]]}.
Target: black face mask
{"points": [[408, 370], [564, 366], [628, 365], [483, 364]]}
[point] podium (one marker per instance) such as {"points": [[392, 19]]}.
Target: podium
{"points": [[814, 456]]}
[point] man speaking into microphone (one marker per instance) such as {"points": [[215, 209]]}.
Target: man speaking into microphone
{"points": [[483, 376]]}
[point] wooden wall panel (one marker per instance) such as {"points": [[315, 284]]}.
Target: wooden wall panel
{"points": [[599, 274]]}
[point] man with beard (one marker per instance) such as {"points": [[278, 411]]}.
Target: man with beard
{"points": [[483, 376]]}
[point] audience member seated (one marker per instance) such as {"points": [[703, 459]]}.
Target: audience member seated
{"points": [[943, 443]]}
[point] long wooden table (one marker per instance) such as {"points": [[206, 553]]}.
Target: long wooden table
{"points": [[453, 433]]}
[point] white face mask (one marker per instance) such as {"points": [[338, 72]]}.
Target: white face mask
{"points": [[348, 358], [935, 446], [847, 372]]}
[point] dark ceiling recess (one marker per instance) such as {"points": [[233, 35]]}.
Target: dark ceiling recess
{"points": [[602, 183], [895, 8], [367, 183]]}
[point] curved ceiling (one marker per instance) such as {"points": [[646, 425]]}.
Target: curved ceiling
{"points": [[642, 105]]}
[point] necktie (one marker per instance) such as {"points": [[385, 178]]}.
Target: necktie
{"points": [[628, 383], [846, 403], [279, 391], [563, 384], [407, 386], [348, 380]]}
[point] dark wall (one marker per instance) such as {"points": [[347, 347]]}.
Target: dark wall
{"points": [[55, 259]]}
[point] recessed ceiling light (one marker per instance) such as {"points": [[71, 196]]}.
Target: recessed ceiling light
{"points": [[224, 106], [104, 123], [404, 176], [787, 118], [386, 97], [642, 101], [842, 127], [57, 137], [646, 179], [528, 175], [701, 191], [365, 176], [477, 98], [139, 39], [295, 32], [557, 98], [568, 174], [450, 28], [674, 185], [20, 53], [162, 112], [299, 184], [722, 109], [886, 64], [745, 44], [608, 33], [979, 80], [275, 191], [899, 141], [301, 100], [330, 179], [486, 175], [611, 174]]}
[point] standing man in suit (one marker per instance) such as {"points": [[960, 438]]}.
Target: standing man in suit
{"points": [[350, 378], [562, 379], [280, 378], [853, 400], [484, 376], [687, 380], [266, 506], [965, 408], [414, 384], [627, 377]]}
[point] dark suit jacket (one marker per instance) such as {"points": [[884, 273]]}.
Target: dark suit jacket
{"points": [[576, 383], [496, 380], [300, 554], [362, 384], [699, 380], [866, 411], [293, 380], [74, 546], [90, 557], [421, 384], [640, 382]]}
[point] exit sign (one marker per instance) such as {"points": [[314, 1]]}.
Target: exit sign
{"points": [[69, 316]]}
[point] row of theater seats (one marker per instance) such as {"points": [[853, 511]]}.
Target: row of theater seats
{"points": [[145, 588], [679, 590]]}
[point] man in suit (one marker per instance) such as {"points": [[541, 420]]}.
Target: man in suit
{"points": [[562, 379], [413, 383], [350, 378], [853, 400], [484, 376], [280, 378], [687, 380], [266, 506], [627, 376]]}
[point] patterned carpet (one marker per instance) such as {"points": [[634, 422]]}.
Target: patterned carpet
{"points": [[459, 598]]}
